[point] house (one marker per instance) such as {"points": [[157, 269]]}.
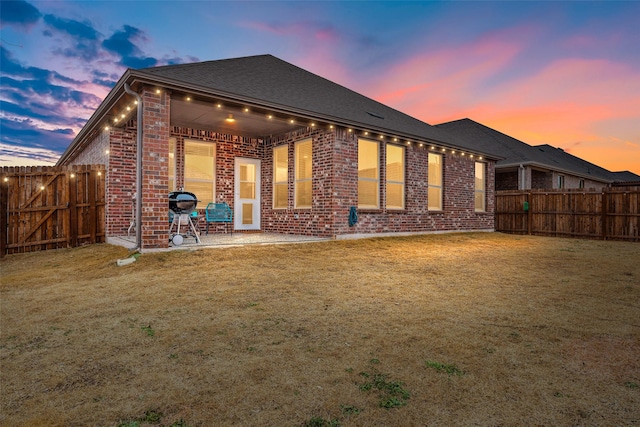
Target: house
{"points": [[289, 151], [525, 167]]}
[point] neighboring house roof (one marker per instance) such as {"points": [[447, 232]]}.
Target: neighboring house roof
{"points": [[516, 152], [626, 176], [271, 82], [570, 163]]}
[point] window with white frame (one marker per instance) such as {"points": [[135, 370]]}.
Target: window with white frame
{"points": [[368, 174], [480, 187], [435, 181], [281, 177], [560, 181], [172, 164], [395, 177], [303, 174], [199, 169]]}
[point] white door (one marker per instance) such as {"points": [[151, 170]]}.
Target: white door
{"points": [[247, 194]]}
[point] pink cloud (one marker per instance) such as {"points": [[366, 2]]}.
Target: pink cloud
{"points": [[581, 104]]}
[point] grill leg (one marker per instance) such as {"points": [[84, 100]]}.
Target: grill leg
{"points": [[193, 230]]}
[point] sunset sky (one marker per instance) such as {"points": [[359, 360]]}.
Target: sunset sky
{"points": [[560, 73]]}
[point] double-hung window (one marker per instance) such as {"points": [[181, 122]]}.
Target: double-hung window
{"points": [[199, 169], [368, 174], [395, 177], [480, 187], [303, 174], [435, 181], [281, 177]]}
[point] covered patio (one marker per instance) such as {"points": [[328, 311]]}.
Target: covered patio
{"points": [[218, 240]]}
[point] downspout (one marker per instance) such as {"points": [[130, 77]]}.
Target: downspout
{"points": [[138, 219]]}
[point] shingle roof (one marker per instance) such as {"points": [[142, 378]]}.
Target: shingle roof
{"points": [[626, 176], [270, 81], [516, 152]]}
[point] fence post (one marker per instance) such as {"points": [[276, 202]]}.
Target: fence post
{"points": [[605, 209], [529, 198], [73, 210], [92, 205], [4, 211]]}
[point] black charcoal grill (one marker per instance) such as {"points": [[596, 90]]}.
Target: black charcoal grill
{"points": [[182, 202], [181, 205]]}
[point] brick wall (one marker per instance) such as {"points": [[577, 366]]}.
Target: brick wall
{"points": [[335, 182], [458, 210], [541, 180], [507, 180], [155, 175], [121, 181], [95, 153]]}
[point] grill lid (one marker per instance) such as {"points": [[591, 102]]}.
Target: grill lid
{"points": [[182, 202]]}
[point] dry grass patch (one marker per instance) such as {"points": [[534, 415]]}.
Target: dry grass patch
{"points": [[461, 329]]}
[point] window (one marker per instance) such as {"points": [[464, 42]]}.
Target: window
{"points": [[303, 165], [581, 184], [199, 170], [480, 187], [395, 177], [368, 174], [560, 181], [172, 164], [281, 177], [434, 195]]}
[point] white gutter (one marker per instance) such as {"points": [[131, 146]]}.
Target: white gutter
{"points": [[138, 219]]}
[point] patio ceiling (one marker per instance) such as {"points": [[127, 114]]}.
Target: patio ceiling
{"points": [[217, 117]]}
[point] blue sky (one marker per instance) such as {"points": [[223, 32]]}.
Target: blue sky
{"points": [[559, 73]]}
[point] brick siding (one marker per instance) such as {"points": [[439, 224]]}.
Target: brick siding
{"points": [[334, 172]]}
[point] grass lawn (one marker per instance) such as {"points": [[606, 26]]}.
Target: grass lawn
{"points": [[461, 329]]}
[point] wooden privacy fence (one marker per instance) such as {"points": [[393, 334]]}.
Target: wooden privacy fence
{"points": [[49, 207], [613, 213]]}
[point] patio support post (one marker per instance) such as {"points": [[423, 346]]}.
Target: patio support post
{"points": [[138, 219]]}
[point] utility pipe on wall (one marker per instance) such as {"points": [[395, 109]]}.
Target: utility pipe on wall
{"points": [[138, 219]]}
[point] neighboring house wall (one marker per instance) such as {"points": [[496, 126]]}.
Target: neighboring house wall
{"points": [[573, 182], [506, 180], [541, 180]]}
